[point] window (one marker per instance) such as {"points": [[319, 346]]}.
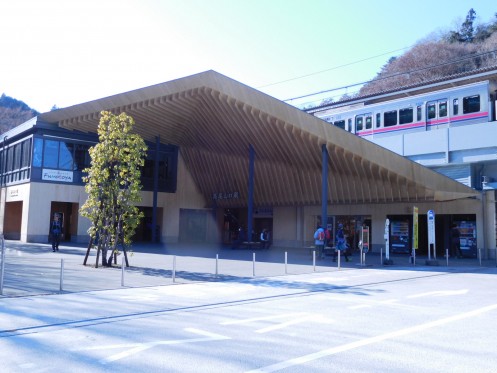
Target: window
{"points": [[81, 157], [26, 153], [66, 156], [442, 108], [378, 120], [340, 124], [359, 123], [431, 110], [17, 157], [9, 162], [455, 106], [471, 104], [51, 153], [37, 152], [166, 171], [390, 118], [405, 115], [369, 122], [418, 113]]}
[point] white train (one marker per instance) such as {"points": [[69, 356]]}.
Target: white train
{"points": [[433, 109]]}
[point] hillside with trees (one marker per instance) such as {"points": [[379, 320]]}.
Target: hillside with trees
{"points": [[466, 49], [13, 112]]}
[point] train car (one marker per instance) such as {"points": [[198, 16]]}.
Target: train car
{"points": [[462, 105]]}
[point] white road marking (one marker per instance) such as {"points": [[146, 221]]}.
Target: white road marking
{"points": [[134, 348], [364, 342], [359, 306], [247, 321], [439, 293], [308, 318]]}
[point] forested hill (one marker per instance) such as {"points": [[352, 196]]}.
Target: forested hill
{"points": [[13, 112]]}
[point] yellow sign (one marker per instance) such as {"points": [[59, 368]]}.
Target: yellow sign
{"points": [[415, 224]]}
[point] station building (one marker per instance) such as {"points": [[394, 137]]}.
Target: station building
{"points": [[224, 156]]}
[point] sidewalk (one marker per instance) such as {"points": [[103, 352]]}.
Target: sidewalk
{"points": [[33, 269]]}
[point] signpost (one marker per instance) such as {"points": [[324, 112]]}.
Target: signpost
{"points": [[431, 233], [415, 227], [431, 238], [386, 236]]}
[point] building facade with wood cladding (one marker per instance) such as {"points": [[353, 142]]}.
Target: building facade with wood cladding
{"points": [[224, 156]]}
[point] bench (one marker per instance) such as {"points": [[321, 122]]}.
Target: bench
{"points": [[251, 244]]}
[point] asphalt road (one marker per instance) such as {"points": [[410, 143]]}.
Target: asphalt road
{"points": [[353, 320]]}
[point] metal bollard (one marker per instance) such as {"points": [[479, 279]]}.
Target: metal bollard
{"points": [[2, 267], [286, 262], [314, 260], [174, 268], [217, 260], [253, 264], [447, 256], [61, 282], [339, 258], [122, 271], [479, 255], [381, 256]]}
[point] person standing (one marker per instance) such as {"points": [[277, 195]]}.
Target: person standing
{"points": [[455, 242], [55, 232], [341, 243], [264, 239], [319, 239]]}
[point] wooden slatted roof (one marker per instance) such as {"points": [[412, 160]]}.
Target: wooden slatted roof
{"points": [[214, 120]]}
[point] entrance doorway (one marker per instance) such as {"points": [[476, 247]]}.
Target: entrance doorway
{"points": [[68, 213], [13, 220], [143, 232]]}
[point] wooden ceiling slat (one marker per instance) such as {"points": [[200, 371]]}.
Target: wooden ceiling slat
{"points": [[214, 121]]}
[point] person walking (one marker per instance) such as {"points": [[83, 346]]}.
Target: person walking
{"points": [[341, 244], [319, 240], [55, 232]]}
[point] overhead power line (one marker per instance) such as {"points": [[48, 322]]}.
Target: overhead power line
{"points": [[332, 68], [393, 75]]}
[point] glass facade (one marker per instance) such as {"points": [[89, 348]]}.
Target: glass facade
{"points": [[63, 160]]}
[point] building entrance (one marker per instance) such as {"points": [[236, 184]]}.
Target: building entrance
{"points": [[144, 230], [12, 224], [68, 213]]}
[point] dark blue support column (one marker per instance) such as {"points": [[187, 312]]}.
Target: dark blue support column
{"points": [[250, 193], [155, 237], [324, 186]]}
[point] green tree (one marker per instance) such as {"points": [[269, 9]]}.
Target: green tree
{"points": [[113, 185], [466, 31]]}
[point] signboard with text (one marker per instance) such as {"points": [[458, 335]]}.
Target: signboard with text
{"points": [[57, 175]]}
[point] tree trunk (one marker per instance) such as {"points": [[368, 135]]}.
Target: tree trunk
{"points": [[88, 251]]}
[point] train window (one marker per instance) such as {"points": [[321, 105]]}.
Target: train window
{"points": [[369, 122], [442, 108], [455, 106], [432, 110], [405, 115], [359, 123], [418, 113], [378, 120], [349, 122], [390, 118], [471, 104], [340, 123]]}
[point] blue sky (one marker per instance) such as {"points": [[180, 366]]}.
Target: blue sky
{"points": [[64, 52]]}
